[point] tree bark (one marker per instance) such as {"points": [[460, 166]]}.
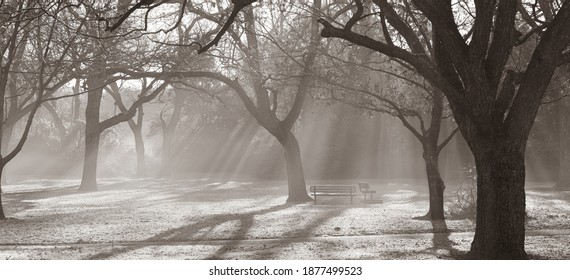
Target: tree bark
{"points": [[435, 184], [295, 175], [500, 231], [89, 176], [92, 135]]}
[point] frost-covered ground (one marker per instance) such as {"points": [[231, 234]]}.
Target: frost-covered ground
{"points": [[212, 219]]}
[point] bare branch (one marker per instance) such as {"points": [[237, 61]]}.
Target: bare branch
{"points": [[356, 16], [126, 14], [447, 140], [238, 6]]}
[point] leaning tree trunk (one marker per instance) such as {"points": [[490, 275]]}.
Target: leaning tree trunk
{"points": [[295, 175], [500, 231], [435, 184]]}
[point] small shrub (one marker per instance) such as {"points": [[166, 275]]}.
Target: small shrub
{"points": [[465, 204]]}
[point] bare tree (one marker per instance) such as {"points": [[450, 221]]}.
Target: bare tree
{"points": [[38, 44], [265, 110], [99, 54], [94, 127], [168, 127], [493, 105], [264, 106], [359, 78], [135, 126]]}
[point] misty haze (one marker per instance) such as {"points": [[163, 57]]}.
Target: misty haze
{"points": [[287, 129]]}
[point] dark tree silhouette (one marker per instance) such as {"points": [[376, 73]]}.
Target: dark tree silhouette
{"points": [[421, 112], [94, 127], [428, 136], [494, 105], [238, 6]]}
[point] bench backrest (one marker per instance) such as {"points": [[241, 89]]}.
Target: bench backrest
{"points": [[333, 189], [363, 187]]}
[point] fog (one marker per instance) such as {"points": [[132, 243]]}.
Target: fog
{"points": [[220, 140]]}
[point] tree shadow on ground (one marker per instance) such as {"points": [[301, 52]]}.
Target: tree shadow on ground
{"points": [[19, 201], [219, 191], [200, 232], [442, 243], [246, 221], [271, 252]]}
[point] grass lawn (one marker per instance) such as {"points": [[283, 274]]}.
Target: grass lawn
{"points": [[184, 218]]}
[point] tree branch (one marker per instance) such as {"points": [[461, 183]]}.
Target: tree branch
{"points": [[130, 113], [356, 16], [541, 67], [234, 84], [505, 36], [402, 27], [306, 76], [484, 13], [127, 14], [448, 139], [424, 67], [238, 6], [440, 15]]}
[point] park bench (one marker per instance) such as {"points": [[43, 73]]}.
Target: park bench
{"points": [[333, 190], [365, 189]]}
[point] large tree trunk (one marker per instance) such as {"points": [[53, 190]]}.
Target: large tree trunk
{"points": [[436, 186], [295, 175], [89, 176], [92, 136], [564, 167], [500, 231]]}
